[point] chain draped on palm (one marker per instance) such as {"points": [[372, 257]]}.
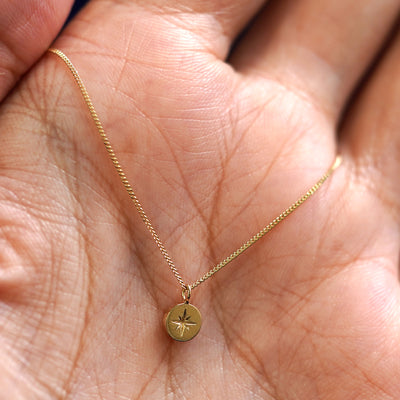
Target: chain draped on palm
{"points": [[217, 135]]}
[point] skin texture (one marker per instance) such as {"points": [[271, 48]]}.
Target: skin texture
{"points": [[217, 141]]}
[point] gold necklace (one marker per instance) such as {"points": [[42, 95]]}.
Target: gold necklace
{"points": [[183, 322]]}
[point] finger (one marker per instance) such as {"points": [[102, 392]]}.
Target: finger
{"points": [[372, 130], [213, 24], [317, 49], [226, 19], [27, 27]]}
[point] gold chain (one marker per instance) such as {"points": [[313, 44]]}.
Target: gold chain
{"points": [[186, 288]]}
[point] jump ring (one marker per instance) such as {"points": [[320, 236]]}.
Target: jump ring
{"points": [[186, 293]]}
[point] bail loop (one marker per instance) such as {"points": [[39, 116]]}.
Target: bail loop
{"points": [[186, 293]]}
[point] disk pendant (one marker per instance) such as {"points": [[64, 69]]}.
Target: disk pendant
{"points": [[183, 322]]}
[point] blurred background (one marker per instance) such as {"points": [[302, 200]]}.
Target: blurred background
{"points": [[77, 6]]}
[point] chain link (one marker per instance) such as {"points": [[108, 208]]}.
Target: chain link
{"points": [[186, 289]]}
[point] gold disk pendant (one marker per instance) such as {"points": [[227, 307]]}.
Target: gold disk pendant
{"points": [[183, 322]]}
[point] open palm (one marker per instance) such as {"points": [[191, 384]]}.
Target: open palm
{"points": [[216, 146]]}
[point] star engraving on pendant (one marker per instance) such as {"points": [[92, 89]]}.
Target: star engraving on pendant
{"points": [[183, 324]]}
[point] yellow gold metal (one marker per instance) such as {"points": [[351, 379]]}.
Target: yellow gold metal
{"points": [[186, 293], [183, 322], [186, 289], [117, 165]]}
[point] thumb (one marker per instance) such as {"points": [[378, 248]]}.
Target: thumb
{"points": [[27, 27]]}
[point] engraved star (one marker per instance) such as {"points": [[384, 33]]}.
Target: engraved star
{"points": [[183, 324]]}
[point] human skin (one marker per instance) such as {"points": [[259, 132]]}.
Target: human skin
{"points": [[216, 143]]}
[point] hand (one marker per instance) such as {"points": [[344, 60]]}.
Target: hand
{"points": [[216, 145]]}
